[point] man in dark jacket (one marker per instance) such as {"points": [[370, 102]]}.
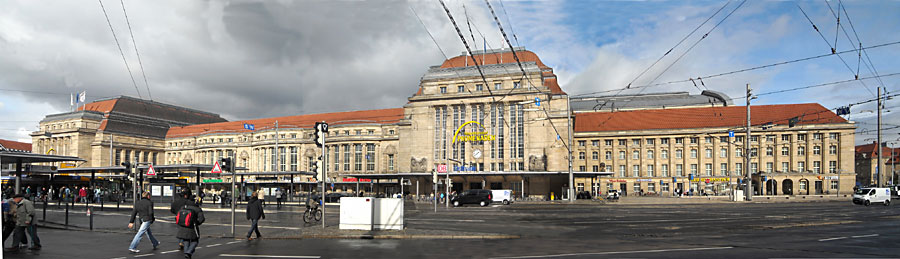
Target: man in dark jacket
{"points": [[190, 236], [254, 213], [144, 209], [179, 203]]}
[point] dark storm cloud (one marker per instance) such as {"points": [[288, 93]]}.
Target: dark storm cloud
{"points": [[243, 59]]}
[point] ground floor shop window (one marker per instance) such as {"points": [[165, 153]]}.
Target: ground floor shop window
{"points": [[580, 187], [664, 187], [834, 185], [609, 186], [802, 186], [651, 187], [637, 187]]}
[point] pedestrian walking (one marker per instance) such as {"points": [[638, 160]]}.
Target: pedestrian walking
{"points": [[97, 195], [9, 218], [144, 209], [254, 214], [24, 221], [188, 220], [260, 195], [82, 194], [178, 204], [278, 197]]}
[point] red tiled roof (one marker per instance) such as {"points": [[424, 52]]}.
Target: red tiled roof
{"points": [[101, 106], [553, 85], [705, 117], [9, 144], [493, 58], [869, 149], [383, 116]]}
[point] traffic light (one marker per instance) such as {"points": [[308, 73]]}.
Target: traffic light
{"points": [[319, 168], [226, 164], [321, 131], [434, 176]]}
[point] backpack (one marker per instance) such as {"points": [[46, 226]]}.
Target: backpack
{"points": [[185, 218]]}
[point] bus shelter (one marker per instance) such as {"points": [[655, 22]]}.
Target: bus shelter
{"points": [[244, 176]]}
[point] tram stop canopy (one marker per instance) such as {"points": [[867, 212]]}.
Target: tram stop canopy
{"points": [[21, 158]]}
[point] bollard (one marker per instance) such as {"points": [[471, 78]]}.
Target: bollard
{"points": [[92, 218], [117, 203], [67, 215], [45, 210]]}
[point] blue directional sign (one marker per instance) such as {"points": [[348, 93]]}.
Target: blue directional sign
{"points": [[537, 101], [673, 179], [249, 126], [691, 177], [730, 134]]}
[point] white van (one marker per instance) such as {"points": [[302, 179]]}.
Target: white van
{"points": [[868, 196], [503, 196]]}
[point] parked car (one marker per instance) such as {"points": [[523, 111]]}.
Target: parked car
{"points": [[612, 195], [502, 196], [868, 196], [474, 196]]}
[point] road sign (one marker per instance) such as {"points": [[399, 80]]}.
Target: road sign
{"points": [[249, 126], [731, 134], [216, 168], [673, 179], [691, 177], [442, 169], [150, 171], [537, 101]]}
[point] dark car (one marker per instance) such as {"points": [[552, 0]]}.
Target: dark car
{"points": [[474, 196]]}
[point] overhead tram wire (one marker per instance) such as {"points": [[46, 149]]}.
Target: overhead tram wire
{"points": [[677, 44], [138, 53], [508, 22], [120, 49], [833, 50], [864, 52], [745, 69], [696, 43], [859, 53]]}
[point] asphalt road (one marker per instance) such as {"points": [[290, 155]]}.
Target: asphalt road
{"points": [[722, 230]]}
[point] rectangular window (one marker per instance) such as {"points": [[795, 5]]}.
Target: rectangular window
{"points": [[498, 86], [709, 169], [739, 139], [650, 142], [664, 154], [801, 137], [664, 170], [636, 142], [460, 88], [832, 167], [517, 84], [817, 150], [370, 157], [801, 166], [391, 162], [738, 169], [608, 142], [595, 143], [443, 89], [651, 187], [708, 140], [679, 170], [608, 155], [754, 167], [664, 187], [595, 155], [635, 154], [479, 87], [119, 157], [785, 167], [723, 152], [596, 168], [581, 168], [723, 139], [294, 159], [723, 169], [664, 141], [817, 136], [357, 157], [695, 140], [274, 156], [649, 154], [649, 170], [694, 169], [337, 156], [770, 167], [709, 153], [832, 150], [621, 171], [834, 136], [679, 153], [581, 143], [621, 142], [282, 162], [635, 171], [834, 184], [346, 157], [693, 153], [817, 167]]}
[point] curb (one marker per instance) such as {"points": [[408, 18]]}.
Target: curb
{"points": [[395, 237]]}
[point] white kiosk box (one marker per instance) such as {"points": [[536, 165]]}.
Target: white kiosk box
{"points": [[356, 213], [388, 213]]}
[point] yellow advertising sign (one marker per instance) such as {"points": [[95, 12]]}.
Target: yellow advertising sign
{"points": [[712, 179], [472, 136], [67, 165]]}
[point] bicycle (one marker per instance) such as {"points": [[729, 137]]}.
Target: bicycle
{"points": [[312, 213]]}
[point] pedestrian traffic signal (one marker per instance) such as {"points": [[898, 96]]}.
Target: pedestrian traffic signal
{"points": [[319, 168], [226, 164], [321, 131]]}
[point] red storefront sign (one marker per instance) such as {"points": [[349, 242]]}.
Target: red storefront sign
{"points": [[351, 179]]}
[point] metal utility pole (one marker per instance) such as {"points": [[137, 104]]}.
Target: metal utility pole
{"points": [[749, 190], [569, 147], [233, 197], [324, 169], [277, 154], [878, 145], [434, 179]]}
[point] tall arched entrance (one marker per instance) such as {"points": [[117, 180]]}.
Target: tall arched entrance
{"points": [[804, 187], [787, 187], [771, 187]]}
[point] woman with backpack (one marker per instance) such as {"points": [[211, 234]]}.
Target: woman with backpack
{"points": [[188, 220], [254, 213]]}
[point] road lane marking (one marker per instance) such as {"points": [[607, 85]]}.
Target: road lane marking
{"points": [[166, 252], [656, 220], [833, 238], [871, 235], [143, 255], [213, 245], [271, 256], [234, 242], [618, 252], [839, 238], [448, 220], [119, 257]]}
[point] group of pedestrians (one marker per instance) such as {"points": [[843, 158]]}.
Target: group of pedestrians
{"points": [[188, 217], [18, 219]]}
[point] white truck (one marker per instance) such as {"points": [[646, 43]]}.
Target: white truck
{"points": [[503, 196], [866, 196]]}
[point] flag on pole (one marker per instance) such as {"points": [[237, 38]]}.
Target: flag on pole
{"points": [[82, 96]]}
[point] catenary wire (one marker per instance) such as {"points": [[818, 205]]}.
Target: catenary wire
{"points": [[136, 52], [120, 49]]}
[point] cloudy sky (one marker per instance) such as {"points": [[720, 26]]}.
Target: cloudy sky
{"points": [[255, 59]]}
